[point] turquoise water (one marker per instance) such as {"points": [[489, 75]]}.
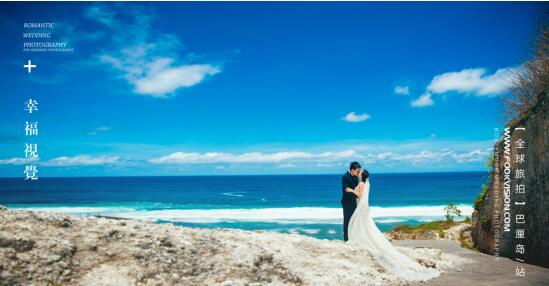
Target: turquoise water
{"points": [[305, 204]]}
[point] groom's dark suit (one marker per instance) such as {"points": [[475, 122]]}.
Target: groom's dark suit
{"points": [[348, 200]]}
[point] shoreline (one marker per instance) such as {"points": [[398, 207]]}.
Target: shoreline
{"points": [[318, 222], [302, 214]]}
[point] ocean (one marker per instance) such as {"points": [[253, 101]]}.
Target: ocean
{"points": [[304, 204]]}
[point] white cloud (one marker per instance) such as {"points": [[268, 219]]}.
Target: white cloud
{"points": [[251, 157], [473, 81], [102, 128], [99, 129], [286, 166], [422, 101], [167, 79], [473, 156], [353, 117], [421, 156], [82, 160], [384, 155], [444, 154], [326, 165], [405, 90], [18, 161], [101, 15], [293, 159], [424, 154], [152, 63]]}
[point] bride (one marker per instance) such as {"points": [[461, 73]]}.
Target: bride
{"points": [[363, 231]]}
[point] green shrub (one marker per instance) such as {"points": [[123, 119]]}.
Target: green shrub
{"points": [[479, 201], [486, 224], [451, 211], [52, 283]]}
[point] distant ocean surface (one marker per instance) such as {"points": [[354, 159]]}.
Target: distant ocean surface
{"points": [[305, 204]]}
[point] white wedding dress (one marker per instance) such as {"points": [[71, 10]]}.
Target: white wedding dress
{"points": [[364, 232]]}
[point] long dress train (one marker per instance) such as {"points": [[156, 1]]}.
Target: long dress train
{"points": [[363, 231]]}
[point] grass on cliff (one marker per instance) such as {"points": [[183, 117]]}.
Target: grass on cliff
{"points": [[479, 200], [438, 226], [467, 242]]}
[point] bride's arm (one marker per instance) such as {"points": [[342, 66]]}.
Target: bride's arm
{"points": [[360, 190]]}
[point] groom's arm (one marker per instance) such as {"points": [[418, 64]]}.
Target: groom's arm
{"points": [[357, 193], [347, 185]]}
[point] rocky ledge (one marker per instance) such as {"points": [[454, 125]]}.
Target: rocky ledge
{"points": [[437, 230], [54, 249]]}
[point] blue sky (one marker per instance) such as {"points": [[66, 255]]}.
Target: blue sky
{"points": [[260, 88]]}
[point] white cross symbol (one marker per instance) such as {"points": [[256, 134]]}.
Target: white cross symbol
{"points": [[29, 66]]}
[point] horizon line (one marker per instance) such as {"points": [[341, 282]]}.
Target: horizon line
{"points": [[250, 175]]}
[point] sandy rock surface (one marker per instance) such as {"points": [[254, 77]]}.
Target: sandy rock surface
{"points": [[38, 247]]}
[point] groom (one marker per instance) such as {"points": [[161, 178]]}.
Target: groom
{"points": [[348, 199]]}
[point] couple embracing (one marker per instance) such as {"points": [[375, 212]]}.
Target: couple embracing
{"points": [[359, 228]]}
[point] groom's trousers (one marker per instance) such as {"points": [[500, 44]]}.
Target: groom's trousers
{"points": [[347, 213]]}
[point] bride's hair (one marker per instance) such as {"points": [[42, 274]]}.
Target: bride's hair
{"points": [[365, 175]]}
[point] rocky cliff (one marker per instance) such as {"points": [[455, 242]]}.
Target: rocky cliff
{"points": [[53, 249], [491, 202]]}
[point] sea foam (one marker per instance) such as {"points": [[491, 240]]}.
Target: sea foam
{"points": [[302, 215]]}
